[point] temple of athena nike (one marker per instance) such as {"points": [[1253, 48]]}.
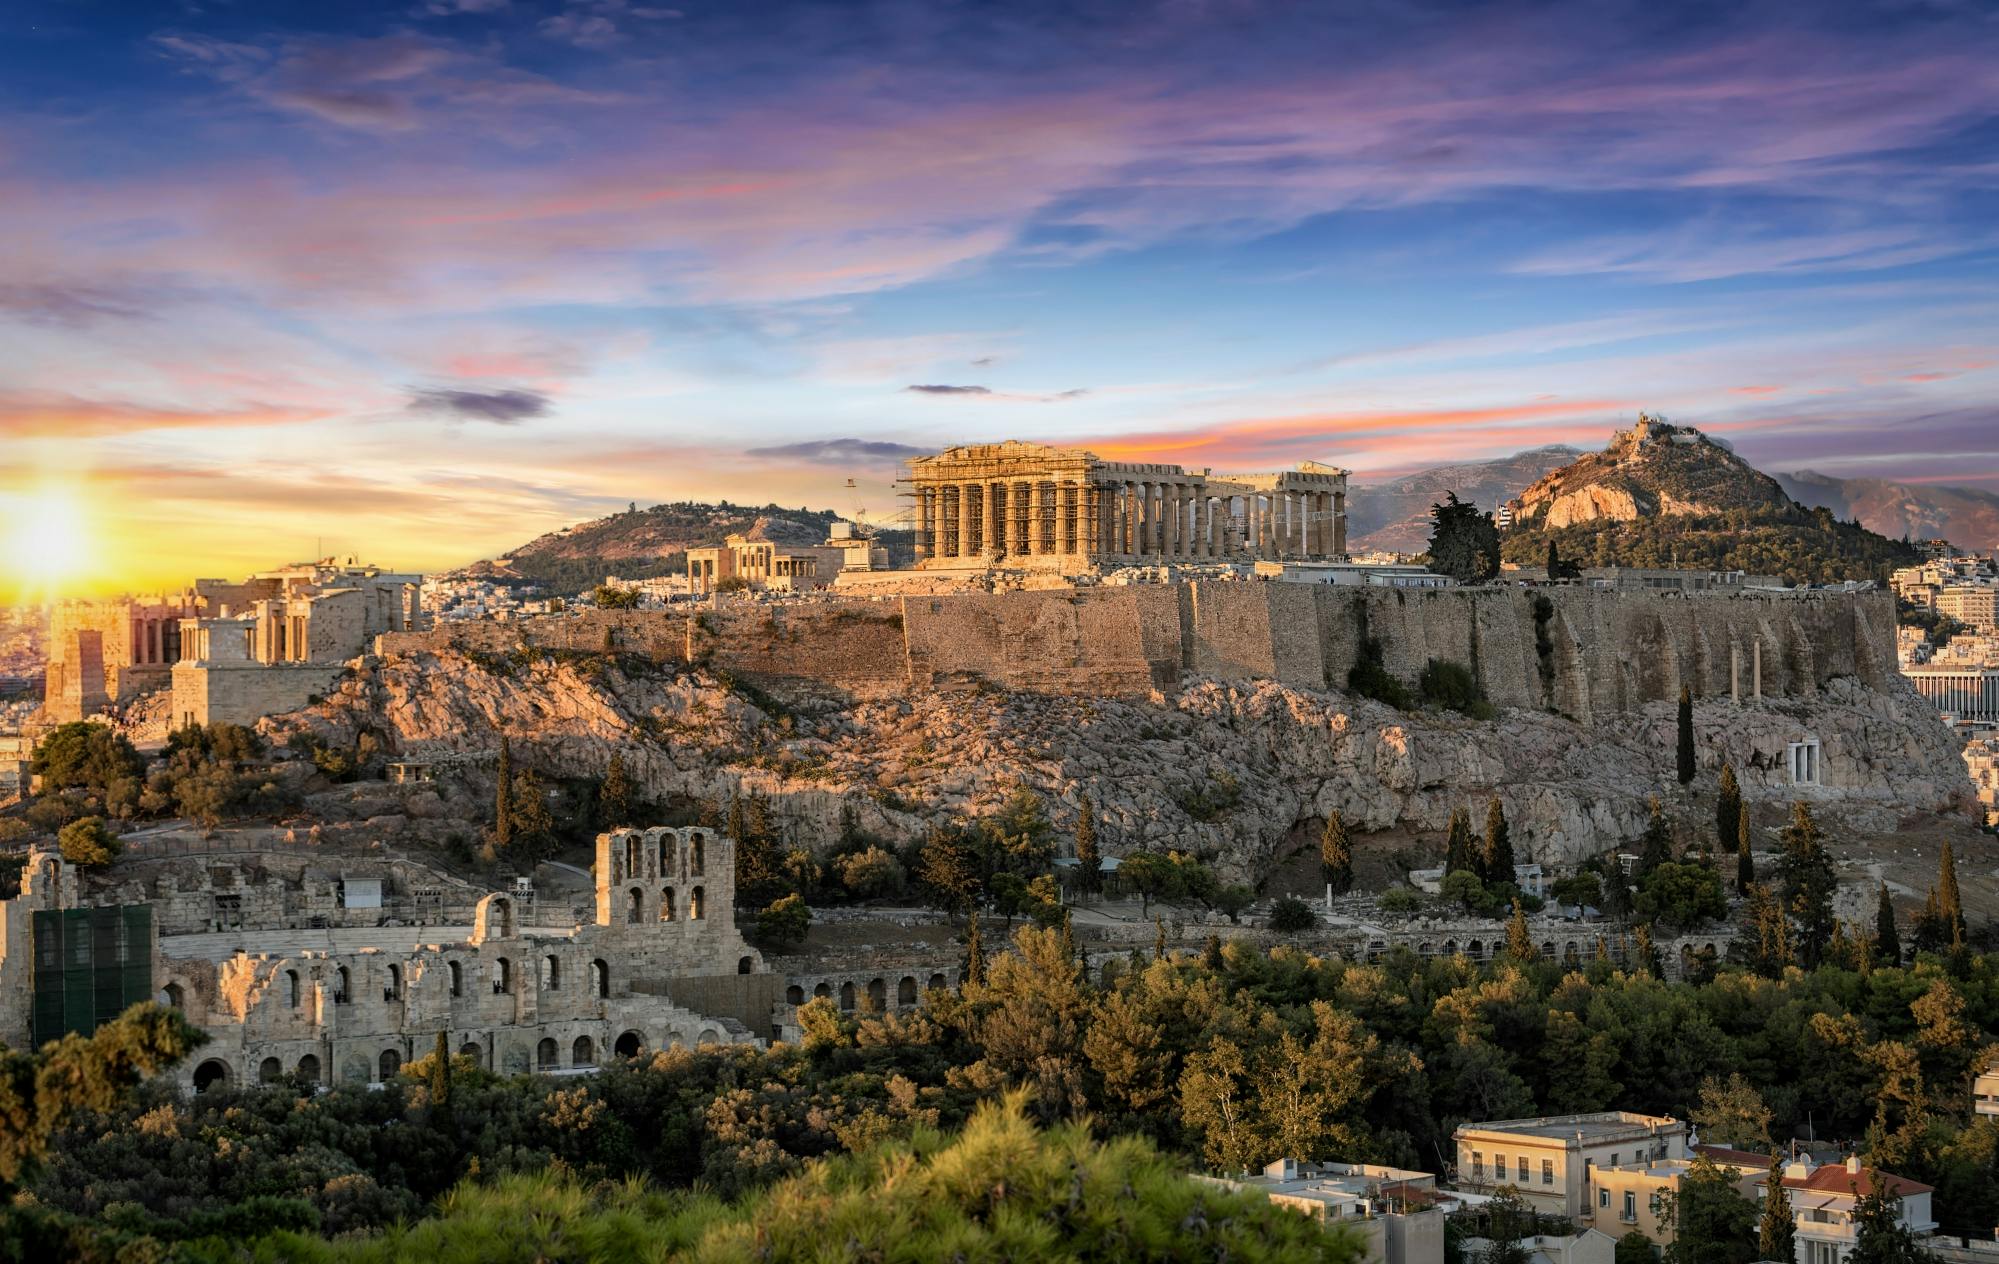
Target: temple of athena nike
{"points": [[1028, 505]]}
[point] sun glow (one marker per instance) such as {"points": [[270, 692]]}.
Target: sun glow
{"points": [[47, 542]]}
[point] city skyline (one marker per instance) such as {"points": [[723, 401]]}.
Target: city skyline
{"points": [[424, 280]]}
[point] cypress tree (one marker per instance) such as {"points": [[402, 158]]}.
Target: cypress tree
{"points": [[1089, 864], [440, 1075], [1211, 954], [1648, 953], [1656, 847], [1887, 941], [1776, 1233], [975, 957], [614, 799], [1498, 843], [1159, 941], [1809, 884], [1616, 890], [1458, 852], [503, 802], [1745, 863], [1554, 561], [1519, 945], [1949, 904], [1686, 745], [1336, 854], [1727, 809]]}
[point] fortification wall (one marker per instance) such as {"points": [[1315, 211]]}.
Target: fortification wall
{"points": [[1582, 652]]}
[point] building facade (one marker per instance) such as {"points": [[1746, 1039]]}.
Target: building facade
{"points": [[1031, 505], [1396, 1214], [1969, 695], [1553, 1161]]}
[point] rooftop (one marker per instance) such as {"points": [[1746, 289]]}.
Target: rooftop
{"points": [[1601, 1124]]}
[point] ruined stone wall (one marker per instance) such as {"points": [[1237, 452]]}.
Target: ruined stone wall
{"points": [[245, 693], [275, 889], [1606, 652]]}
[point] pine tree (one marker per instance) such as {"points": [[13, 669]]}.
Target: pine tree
{"points": [[1776, 1234], [1159, 942], [1089, 864], [1646, 950], [1458, 851], [1887, 941], [614, 798], [1949, 904], [1686, 744], [1745, 862], [1727, 807], [975, 957], [440, 1075], [1616, 889], [1519, 945], [1498, 857], [1336, 854], [503, 799]]}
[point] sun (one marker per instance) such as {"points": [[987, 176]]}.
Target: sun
{"points": [[47, 541]]}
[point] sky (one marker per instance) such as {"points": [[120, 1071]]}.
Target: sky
{"points": [[418, 281]]}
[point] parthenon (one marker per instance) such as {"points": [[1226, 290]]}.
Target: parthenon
{"points": [[1031, 505]]}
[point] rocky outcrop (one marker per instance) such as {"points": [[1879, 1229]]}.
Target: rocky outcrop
{"points": [[1237, 772]]}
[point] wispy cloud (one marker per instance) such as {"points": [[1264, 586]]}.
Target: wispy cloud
{"points": [[502, 407]]}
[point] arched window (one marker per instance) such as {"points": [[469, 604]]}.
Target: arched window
{"points": [[744, 965], [457, 979], [270, 1071], [699, 856], [600, 977], [471, 1049], [794, 995], [583, 1052], [822, 990], [630, 1045], [938, 981], [708, 1036], [388, 1064], [503, 976], [394, 991], [846, 996], [291, 987], [877, 996], [666, 904], [632, 856], [665, 855], [340, 981], [695, 900], [905, 991], [545, 1054], [212, 1074], [551, 973], [308, 1068], [174, 995], [635, 905]]}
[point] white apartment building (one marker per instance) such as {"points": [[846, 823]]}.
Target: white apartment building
{"points": [[1551, 1160], [1394, 1212], [1823, 1197]]}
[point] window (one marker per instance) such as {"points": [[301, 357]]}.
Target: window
{"points": [[666, 904], [694, 902], [1630, 1205], [1603, 1198], [1477, 1166], [1655, 1204], [291, 987], [1614, 1156], [1498, 1167], [1520, 1169], [340, 986], [1547, 1171], [551, 974], [457, 980], [1802, 758], [394, 990]]}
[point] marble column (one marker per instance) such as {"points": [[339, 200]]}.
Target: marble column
{"points": [[924, 546], [988, 537], [1176, 512], [966, 522]]}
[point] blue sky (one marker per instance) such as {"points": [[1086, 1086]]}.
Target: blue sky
{"points": [[424, 279]]}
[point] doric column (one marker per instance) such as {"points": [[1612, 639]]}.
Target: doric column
{"points": [[988, 536], [1207, 516], [1339, 523], [1169, 518], [1020, 519], [966, 523], [925, 547], [1073, 517], [1044, 518]]}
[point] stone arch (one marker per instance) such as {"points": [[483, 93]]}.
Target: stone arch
{"points": [[631, 1044], [709, 1036], [1450, 947], [493, 919], [551, 973], [388, 1064], [1548, 949], [270, 1071], [308, 1068], [394, 991], [666, 904], [342, 986], [545, 1054], [174, 996], [635, 906], [847, 996], [905, 991], [503, 976], [1474, 949], [583, 1052], [457, 973], [213, 1074], [938, 981], [877, 995], [1426, 948], [632, 862], [1571, 954], [665, 852], [822, 990], [744, 965], [697, 900], [472, 1049], [1376, 949], [600, 977], [697, 855], [794, 995]]}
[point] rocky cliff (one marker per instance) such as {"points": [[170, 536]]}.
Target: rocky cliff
{"points": [[1652, 468], [1291, 754]]}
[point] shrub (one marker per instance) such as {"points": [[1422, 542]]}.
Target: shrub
{"points": [[870, 873], [1453, 687], [1370, 677], [86, 842], [1292, 915], [1401, 900]]}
